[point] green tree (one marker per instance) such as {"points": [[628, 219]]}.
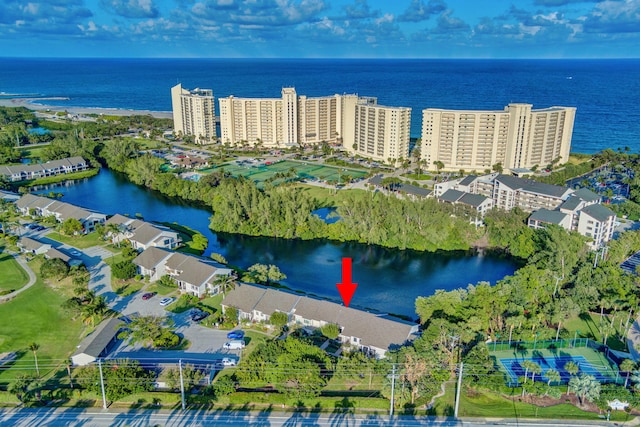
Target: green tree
{"points": [[586, 387], [54, 268], [553, 376], [34, 347], [190, 375], [627, 365], [330, 330], [123, 270], [71, 227], [121, 378], [145, 329], [278, 319]]}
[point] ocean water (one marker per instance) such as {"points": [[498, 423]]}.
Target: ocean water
{"points": [[605, 92]]}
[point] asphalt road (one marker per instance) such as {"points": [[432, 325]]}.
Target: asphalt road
{"points": [[48, 417]]}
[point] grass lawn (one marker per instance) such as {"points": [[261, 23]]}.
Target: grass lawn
{"points": [[161, 289], [481, 403], [13, 276], [81, 241], [32, 152], [329, 197], [36, 316], [182, 304], [588, 326], [126, 288]]}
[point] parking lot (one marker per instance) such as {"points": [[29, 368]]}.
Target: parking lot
{"points": [[206, 344]]}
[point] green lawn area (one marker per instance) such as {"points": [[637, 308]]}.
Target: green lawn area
{"points": [[126, 288], [328, 196], [481, 403], [32, 152], [36, 316], [161, 289], [587, 326], [13, 276], [80, 241]]}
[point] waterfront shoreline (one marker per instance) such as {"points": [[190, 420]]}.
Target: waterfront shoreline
{"points": [[36, 105]]}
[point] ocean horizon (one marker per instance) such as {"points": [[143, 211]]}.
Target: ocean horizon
{"points": [[604, 91]]}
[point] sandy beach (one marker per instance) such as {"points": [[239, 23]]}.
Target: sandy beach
{"points": [[40, 104]]}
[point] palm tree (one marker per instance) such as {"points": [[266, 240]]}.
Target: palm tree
{"points": [[572, 369], [34, 347], [586, 387], [535, 369], [627, 366], [635, 379], [527, 365], [553, 376]]}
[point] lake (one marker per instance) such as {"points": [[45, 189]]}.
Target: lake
{"points": [[389, 279]]}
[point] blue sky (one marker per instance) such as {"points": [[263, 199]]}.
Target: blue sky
{"points": [[321, 28]]}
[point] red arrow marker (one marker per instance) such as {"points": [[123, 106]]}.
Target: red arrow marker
{"points": [[346, 288]]}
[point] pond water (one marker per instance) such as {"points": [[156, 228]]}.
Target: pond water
{"points": [[389, 279]]}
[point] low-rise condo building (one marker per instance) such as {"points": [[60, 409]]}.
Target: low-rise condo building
{"points": [[194, 113], [518, 137]]}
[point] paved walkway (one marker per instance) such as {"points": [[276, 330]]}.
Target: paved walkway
{"points": [[633, 339], [30, 273]]}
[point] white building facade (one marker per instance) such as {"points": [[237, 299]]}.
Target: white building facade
{"points": [[518, 137], [194, 113]]}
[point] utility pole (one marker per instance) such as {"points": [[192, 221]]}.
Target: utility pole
{"points": [[455, 413], [104, 396], [181, 383], [393, 388]]}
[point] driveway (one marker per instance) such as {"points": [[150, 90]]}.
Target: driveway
{"points": [[205, 343]]}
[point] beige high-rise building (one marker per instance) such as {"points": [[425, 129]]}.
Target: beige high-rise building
{"points": [[518, 137], [270, 122], [375, 131], [320, 119], [194, 113]]}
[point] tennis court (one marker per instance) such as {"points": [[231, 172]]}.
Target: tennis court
{"points": [[589, 361], [260, 173]]}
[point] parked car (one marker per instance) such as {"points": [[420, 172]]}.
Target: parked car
{"points": [[166, 301], [235, 335], [234, 345], [40, 228], [227, 361], [199, 315], [148, 295]]}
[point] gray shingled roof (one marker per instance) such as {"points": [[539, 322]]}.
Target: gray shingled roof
{"points": [[244, 297], [26, 201], [548, 217], [94, 344], [273, 300], [474, 200], [571, 203], [53, 253], [151, 257], [598, 212], [31, 244], [531, 186], [451, 196], [376, 330], [467, 180], [586, 195], [118, 219], [146, 233], [412, 189]]}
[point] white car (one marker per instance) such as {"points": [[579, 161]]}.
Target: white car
{"points": [[166, 301], [227, 361]]}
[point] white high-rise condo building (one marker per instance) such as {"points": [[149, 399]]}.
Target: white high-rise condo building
{"points": [[194, 113], [375, 131], [270, 122], [359, 123], [518, 137]]}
